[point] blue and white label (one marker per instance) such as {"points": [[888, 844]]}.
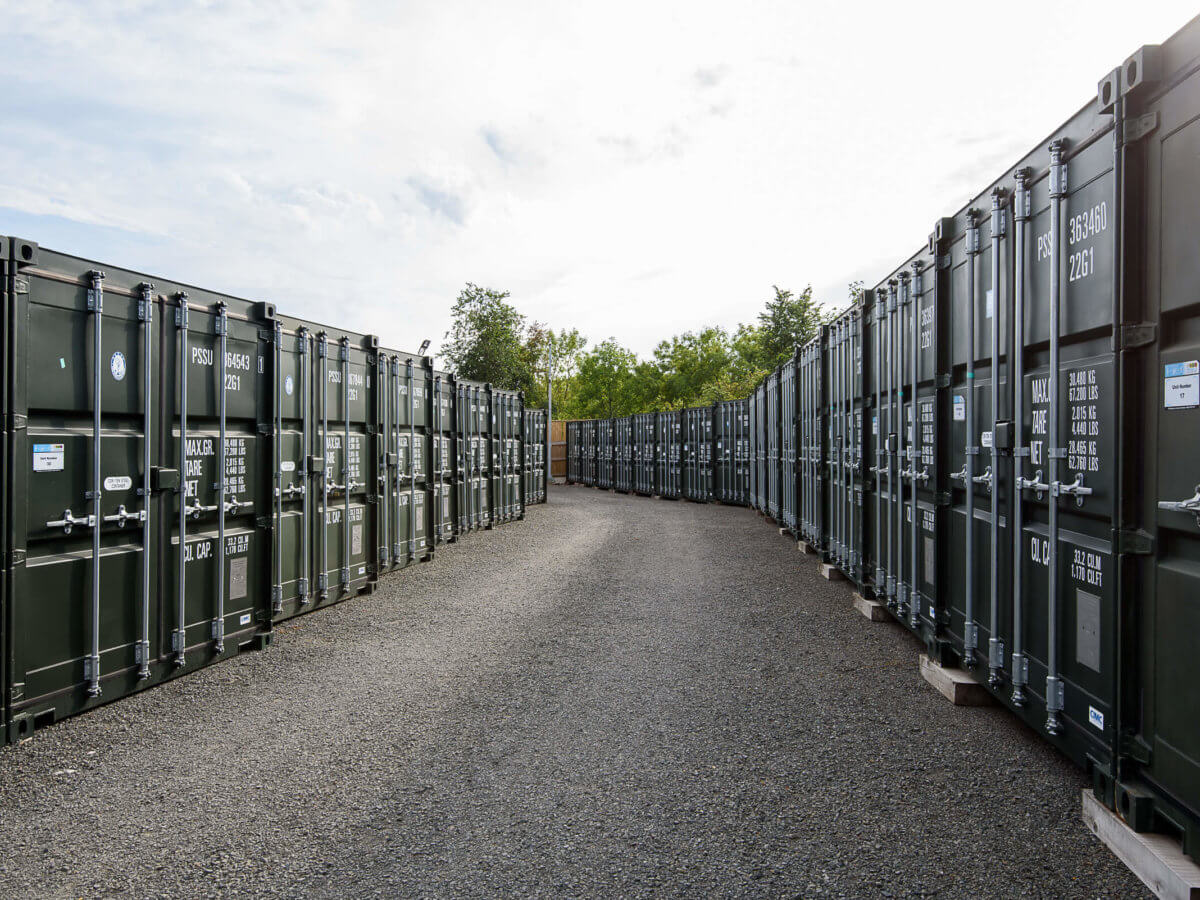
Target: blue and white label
{"points": [[1096, 718], [244, 619], [1181, 384], [116, 365], [960, 408], [289, 385], [49, 457]]}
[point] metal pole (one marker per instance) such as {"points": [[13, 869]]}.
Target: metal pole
{"points": [[95, 298], [970, 631], [181, 588], [1022, 210], [147, 310], [995, 642]]}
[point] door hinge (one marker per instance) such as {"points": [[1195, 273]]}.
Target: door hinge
{"points": [[1138, 127], [1135, 748], [16, 557], [20, 285], [1133, 541], [266, 428], [17, 691], [18, 422], [1138, 335], [263, 522], [943, 381], [942, 498]]}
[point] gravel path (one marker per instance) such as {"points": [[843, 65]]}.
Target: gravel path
{"points": [[616, 697]]}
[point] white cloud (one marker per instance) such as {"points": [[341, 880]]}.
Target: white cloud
{"points": [[633, 169]]}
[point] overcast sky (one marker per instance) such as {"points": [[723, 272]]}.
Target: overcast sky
{"points": [[631, 169]]}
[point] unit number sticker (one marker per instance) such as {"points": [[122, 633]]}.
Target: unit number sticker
{"points": [[1181, 384], [960, 408], [48, 457]]}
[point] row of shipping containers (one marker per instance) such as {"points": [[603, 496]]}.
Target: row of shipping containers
{"points": [[182, 470], [1000, 441]]}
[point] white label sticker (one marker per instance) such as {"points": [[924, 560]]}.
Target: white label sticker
{"points": [[1181, 385], [988, 313], [118, 483], [116, 365], [245, 619], [287, 466], [289, 385], [1095, 717], [48, 457], [985, 439], [874, 424], [960, 408]]}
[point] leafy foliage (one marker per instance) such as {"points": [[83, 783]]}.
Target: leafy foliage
{"points": [[489, 340]]}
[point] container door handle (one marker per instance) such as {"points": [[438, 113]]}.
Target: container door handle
{"points": [[1190, 505]]}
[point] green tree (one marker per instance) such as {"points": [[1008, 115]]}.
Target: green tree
{"points": [[688, 363], [605, 382], [568, 347], [486, 340], [788, 321]]}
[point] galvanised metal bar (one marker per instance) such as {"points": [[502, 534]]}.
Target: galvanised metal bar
{"points": [[852, 452], [277, 475], [347, 483], [970, 630], [914, 448], [995, 642], [1058, 191], [95, 299], [878, 468], [901, 425], [218, 625], [146, 313], [305, 450], [1022, 213], [180, 637], [890, 449], [412, 462], [323, 578]]}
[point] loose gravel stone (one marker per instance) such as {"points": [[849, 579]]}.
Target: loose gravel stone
{"points": [[616, 697]]}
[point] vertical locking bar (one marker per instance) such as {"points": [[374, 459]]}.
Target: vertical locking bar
{"points": [[436, 451], [146, 304], [970, 629], [412, 463], [346, 483], [914, 446], [95, 298], [218, 625], [889, 450], [1058, 191], [1022, 212], [902, 420], [181, 319], [277, 439], [305, 475], [995, 642], [880, 577], [323, 577], [855, 437]]}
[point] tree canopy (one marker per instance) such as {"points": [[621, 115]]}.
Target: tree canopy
{"points": [[489, 340]]}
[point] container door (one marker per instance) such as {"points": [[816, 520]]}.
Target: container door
{"points": [[1167, 601]]}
